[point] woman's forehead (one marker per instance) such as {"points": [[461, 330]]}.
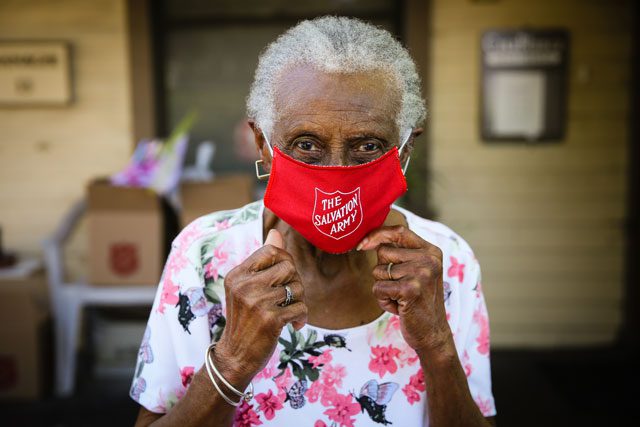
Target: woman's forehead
{"points": [[304, 94]]}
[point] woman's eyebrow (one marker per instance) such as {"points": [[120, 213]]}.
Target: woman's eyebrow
{"points": [[368, 136]]}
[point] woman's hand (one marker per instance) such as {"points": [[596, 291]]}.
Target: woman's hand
{"points": [[254, 291], [414, 290]]}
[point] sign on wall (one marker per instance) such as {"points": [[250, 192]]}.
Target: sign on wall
{"points": [[34, 73], [524, 88]]}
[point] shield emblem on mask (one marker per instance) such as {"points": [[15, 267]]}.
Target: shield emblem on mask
{"points": [[337, 214]]}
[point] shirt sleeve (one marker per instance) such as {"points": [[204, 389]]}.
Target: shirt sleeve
{"points": [[475, 354], [175, 338]]}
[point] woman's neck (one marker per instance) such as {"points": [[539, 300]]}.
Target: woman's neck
{"points": [[337, 287]]}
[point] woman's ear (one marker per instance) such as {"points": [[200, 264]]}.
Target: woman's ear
{"points": [[261, 145]]}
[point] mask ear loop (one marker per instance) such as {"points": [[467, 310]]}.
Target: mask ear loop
{"points": [[405, 139], [263, 176]]}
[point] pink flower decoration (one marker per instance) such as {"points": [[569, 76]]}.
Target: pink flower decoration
{"points": [[417, 381], [314, 392], [320, 391], [468, 367], [343, 409], [485, 405], [222, 225], [246, 416], [332, 375], [456, 269], [186, 375], [481, 319], [382, 359], [393, 325], [270, 370], [412, 394], [323, 359], [283, 382], [169, 294], [319, 423], [269, 404], [415, 386], [220, 257]]}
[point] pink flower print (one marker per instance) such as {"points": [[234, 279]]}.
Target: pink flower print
{"points": [[393, 324], [415, 386], [319, 390], [222, 225], [328, 396], [269, 404], [456, 269], [270, 370], [324, 359], [466, 364], [188, 235], [220, 257], [481, 319], [485, 405], [478, 289], [319, 423], [314, 391], [283, 383], [332, 375], [186, 375], [382, 359], [246, 416], [417, 381], [343, 409], [168, 295], [412, 394], [408, 355]]}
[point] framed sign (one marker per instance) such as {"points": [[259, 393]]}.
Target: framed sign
{"points": [[524, 85], [34, 73]]}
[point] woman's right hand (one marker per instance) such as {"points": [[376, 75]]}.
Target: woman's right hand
{"points": [[254, 291]]}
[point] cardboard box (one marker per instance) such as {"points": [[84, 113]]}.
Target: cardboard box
{"points": [[224, 192], [26, 360], [130, 231]]}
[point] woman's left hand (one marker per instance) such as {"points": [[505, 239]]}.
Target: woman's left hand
{"points": [[412, 287]]}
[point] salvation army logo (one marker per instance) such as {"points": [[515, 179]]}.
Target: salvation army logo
{"points": [[123, 258], [337, 214]]}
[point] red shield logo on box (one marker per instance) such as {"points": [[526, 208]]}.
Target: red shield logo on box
{"points": [[337, 214], [123, 258]]}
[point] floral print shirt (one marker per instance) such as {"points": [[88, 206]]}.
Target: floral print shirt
{"points": [[361, 376]]}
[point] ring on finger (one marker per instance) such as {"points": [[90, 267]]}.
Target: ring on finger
{"points": [[288, 299], [389, 271]]}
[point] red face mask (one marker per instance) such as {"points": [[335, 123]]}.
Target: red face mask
{"points": [[334, 207]]}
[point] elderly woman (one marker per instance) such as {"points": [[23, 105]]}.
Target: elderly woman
{"points": [[324, 304]]}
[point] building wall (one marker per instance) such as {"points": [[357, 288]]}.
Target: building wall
{"points": [[47, 155], [545, 221]]}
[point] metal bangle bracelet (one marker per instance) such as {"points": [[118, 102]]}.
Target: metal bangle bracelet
{"points": [[207, 363], [243, 396]]}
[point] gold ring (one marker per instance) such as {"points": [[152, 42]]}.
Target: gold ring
{"points": [[389, 270]]}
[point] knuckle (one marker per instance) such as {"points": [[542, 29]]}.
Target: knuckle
{"points": [[399, 228]]}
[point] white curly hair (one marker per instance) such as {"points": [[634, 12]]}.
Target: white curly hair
{"points": [[340, 45]]}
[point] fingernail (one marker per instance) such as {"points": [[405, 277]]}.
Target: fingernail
{"points": [[361, 244]]}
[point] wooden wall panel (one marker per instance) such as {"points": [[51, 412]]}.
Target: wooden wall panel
{"points": [[546, 221]]}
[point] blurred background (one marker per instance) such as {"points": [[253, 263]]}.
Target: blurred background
{"points": [[530, 152]]}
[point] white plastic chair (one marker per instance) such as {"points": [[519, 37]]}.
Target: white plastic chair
{"points": [[69, 299]]}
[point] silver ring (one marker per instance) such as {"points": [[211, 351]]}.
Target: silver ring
{"points": [[389, 270], [288, 297]]}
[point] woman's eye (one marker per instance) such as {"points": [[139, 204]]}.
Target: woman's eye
{"points": [[368, 146], [307, 145]]}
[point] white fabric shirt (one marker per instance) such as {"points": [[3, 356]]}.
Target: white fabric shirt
{"points": [[361, 376]]}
